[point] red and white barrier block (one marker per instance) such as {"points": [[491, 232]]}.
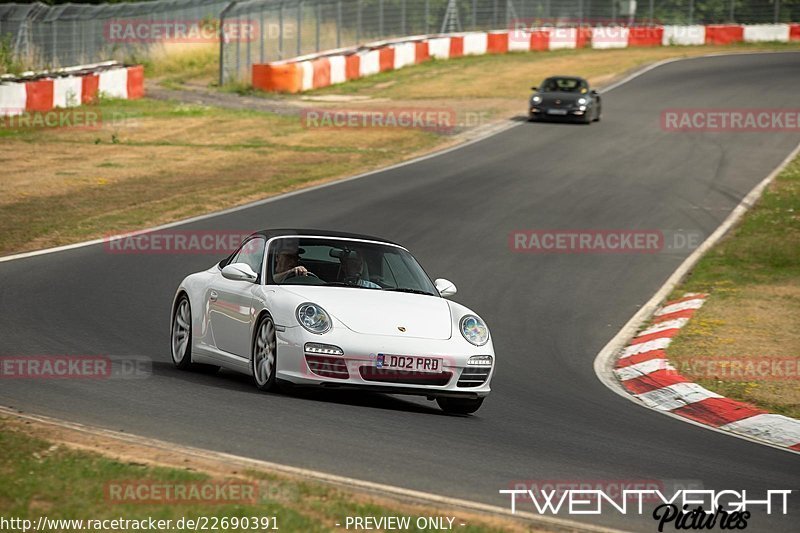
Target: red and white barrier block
{"points": [[337, 66], [643, 370], [70, 88]]}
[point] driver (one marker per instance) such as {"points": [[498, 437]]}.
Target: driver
{"points": [[353, 270], [287, 261]]}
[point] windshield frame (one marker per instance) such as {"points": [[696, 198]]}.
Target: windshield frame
{"points": [[267, 279], [580, 84]]}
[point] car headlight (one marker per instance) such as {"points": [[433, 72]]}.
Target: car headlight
{"points": [[536, 99], [582, 101], [313, 318], [474, 330]]}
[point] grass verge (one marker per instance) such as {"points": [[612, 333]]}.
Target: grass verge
{"points": [[751, 320], [58, 482], [150, 162]]}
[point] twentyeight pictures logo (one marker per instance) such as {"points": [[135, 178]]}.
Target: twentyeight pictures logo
{"points": [[683, 509]]}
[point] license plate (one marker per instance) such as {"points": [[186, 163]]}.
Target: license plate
{"points": [[408, 362], [556, 111]]}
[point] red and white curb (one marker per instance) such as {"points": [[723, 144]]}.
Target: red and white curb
{"points": [[643, 370], [69, 87]]}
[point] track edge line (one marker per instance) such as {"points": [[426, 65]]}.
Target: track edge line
{"points": [[315, 475], [604, 361]]}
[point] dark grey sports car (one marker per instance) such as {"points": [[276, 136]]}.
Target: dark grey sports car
{"points": [[565, 98]]}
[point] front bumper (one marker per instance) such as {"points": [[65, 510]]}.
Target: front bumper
{"points": [[357, 368], [542, 112]]}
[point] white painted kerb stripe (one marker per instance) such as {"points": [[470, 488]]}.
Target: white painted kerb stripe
{"points": [[642, 369], [680, 306], [777, 429], [675, 396], [675, 323], [649, 346]]}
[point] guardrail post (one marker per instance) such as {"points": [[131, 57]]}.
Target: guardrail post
{"points": [[261, 34], [280, 30], [299, 26], [403, 18], [317, 14], [222, 42], [358, 22], [339, 24], [380, 18]]}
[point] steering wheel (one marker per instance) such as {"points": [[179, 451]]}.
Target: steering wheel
{"points": [[294, 274]]}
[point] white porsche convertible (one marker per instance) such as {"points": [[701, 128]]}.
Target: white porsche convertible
{"points": [[335, 310]]}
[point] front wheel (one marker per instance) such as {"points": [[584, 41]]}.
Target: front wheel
{"points": [[265, 355], [459, 406]]}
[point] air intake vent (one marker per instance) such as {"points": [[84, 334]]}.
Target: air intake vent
{"points": [[405, 377], [474, 376], [327, 367]]}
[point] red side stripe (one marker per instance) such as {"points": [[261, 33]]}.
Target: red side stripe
{"points": [[686, 313], [655, 380], [795, 447], [667, 333], [717, 411], [641, 358], [686, 299]]}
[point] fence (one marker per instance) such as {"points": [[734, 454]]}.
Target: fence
{"points": [[39, 36]]}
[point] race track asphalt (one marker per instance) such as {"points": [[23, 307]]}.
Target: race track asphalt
{"points": [[549, 417]]}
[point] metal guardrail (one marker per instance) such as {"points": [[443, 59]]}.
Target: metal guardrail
{"points": [[38, 36]]}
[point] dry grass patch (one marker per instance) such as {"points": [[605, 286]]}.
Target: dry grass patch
{"points": [[153, 162], [753, 312]]}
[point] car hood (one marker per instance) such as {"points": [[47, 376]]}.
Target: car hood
{"points": [[565, 98], [376, 312]]}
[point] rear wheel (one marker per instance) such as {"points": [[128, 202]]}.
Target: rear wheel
{"points": [[181, 341], [265, 355], [459, 406]]}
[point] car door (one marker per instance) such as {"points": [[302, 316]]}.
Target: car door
{"points": [[230, 302]]}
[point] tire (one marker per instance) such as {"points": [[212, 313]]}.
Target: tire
{"points": [[599, 114], [181, 334], [264, 360], [459, 406]]}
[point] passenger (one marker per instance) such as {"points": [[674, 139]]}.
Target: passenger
{"points": [[353, 271]]}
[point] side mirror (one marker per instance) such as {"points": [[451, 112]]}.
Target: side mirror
{"points": [[239, 272], [593, 92], [445, 287], [534, 88]]}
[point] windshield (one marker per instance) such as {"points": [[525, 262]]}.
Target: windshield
{"points": [[346, 263], [563, 85]]}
